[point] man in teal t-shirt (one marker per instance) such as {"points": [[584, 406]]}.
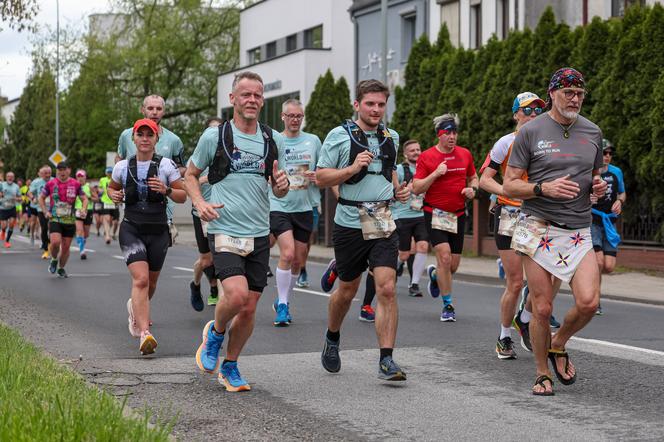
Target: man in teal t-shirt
{"points": [[291, 217], [10, 195], [360, 157], [410, 222], [238, 216], [33, 193], [169, 145]]}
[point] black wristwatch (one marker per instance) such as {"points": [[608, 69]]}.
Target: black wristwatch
{"points": [[538, 189], [169, 191], [475, 191]]}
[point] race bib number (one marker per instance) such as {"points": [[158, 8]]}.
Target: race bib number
{"points": [[204, 226], [298, 181], [446, 221], [527, 234], [376, 220], [108, 206], [507, 221], [416, 202], [98, 206], [62, 209], [238, 246], [8, 204]]}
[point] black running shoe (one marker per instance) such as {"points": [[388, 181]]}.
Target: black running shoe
{"points": [[388, 370], [269, 273], [414, 291], [505, 348], [400, 270], [524, 331], [196, 298], [330, 356]]}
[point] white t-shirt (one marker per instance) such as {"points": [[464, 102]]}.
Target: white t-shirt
{"points": [[168, 171]]}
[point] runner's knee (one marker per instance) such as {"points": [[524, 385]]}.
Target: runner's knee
{"points": [[141, 282], [542, 311]]}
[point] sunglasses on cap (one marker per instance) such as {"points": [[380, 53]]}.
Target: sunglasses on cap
{"points": [[527, 111]]}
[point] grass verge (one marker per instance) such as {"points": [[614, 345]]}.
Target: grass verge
{"points": [[42, 400]]}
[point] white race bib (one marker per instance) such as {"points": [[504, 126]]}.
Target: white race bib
{"points": [[507, 221], [238, 246], [416, 202], [446, 221], [527, 234], [298, 181], [80, 214], [376, 220], [109, 206], [62, 209]]}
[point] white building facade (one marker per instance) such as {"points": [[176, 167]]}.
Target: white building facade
{"points": [[290, 43]]}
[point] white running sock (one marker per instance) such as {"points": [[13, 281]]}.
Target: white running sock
{"points": [[526, 316], [505, 332], [283, 278], [419, 262]]}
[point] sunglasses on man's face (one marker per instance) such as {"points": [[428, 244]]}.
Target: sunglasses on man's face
{"points": [[608, 152], [527, 111]]}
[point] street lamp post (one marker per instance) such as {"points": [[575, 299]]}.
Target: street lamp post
{"points": [[383, 26], [57, 75]]}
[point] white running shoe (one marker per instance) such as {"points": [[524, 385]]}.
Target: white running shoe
{"points": [[133, 330]]}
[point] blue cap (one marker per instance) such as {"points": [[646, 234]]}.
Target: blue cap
{"points": [[109, 170]]}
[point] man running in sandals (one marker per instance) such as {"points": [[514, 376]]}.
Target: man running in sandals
{"points": [[561, 151]]}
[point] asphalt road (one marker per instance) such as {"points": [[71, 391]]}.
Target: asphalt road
{"points": [[457, 388]]}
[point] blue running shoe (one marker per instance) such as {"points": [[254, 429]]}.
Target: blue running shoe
{"points": [[501, 269], [448, 314], [330, 275], [195, 297], [281, 320], [231, 379], [53, 266], [434, 291], [275, 306], [207, 356], [553, 322], [388, 370], [303, 279]]}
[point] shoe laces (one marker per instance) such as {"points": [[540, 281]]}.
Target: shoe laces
{"points": [[231, 372], [507, 343], [213, 344], [388, 364]]}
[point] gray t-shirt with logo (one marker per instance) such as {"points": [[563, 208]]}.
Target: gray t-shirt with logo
{"points": [[541, 149]]}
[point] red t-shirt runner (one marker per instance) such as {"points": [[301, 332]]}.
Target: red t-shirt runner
{"points": [[445, 191]]}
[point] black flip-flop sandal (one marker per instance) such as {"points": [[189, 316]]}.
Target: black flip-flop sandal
{"points": [[553, 355], [540, 381]]}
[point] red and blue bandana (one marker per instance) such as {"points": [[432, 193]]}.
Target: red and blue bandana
{"points": [[566, 77]]}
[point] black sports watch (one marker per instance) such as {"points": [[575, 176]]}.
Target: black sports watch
{"points": [[169, 191], [538, 189]]}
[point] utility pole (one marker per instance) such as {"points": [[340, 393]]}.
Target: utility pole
{"points": [[57, 76], [383, 26]]}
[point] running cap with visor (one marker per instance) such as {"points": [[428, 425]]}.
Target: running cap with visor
{"points": [[62, 165], [146, 122], [109, 170], [525, 99]]}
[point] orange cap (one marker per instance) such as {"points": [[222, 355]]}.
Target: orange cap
{"points": [[146, 122]]}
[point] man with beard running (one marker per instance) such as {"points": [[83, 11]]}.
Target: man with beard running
{"points": [[561, 152]]}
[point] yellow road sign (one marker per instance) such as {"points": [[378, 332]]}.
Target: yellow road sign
{"points": [[56, 157]]}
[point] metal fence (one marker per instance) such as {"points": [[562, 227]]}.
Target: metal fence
{"points": [[643, 228]]}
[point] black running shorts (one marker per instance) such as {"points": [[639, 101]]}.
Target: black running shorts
{"points": [[301, 223], [503, 242], [254, 266], [201, 239], [66, 230], [354, 254], [147, 243], [409, 228], [455, 240]]}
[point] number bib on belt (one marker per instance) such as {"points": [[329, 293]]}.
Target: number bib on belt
{"points": [[527, 234], [98, 206], [297, 179], [446, 221], [416, 202], [238, 246], [62, 209], [109, 206], [507, 221], [376, 220]]}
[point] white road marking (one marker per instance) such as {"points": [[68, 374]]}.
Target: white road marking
{"points": [[185, 269], [118, 257], [620, 346], [88, 275], [13, 252], [313, 292]]}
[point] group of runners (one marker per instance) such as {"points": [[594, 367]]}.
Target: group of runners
{"points": [[253, 187]]}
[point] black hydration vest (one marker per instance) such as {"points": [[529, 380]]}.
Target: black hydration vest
{"points": [[359, 144], [407, 174], [151, 210], [221, 165]]}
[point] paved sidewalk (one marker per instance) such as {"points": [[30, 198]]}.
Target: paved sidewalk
{"points": [[628, 286]]}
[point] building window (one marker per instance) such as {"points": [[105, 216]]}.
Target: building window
{"points": [[618, 7], [254, 55], [502, 18], [291, 43], [449, 14], [271, 50], [313, 37], [476, 25], [408, 35], [271, 112]]}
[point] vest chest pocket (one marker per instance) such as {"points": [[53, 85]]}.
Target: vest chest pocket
{"points": [[527, 234], [376, 220], [507, 221], [445, 221], [237, 246]]}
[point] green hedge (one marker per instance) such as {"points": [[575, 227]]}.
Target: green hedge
{"points": [[621, 59]]}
